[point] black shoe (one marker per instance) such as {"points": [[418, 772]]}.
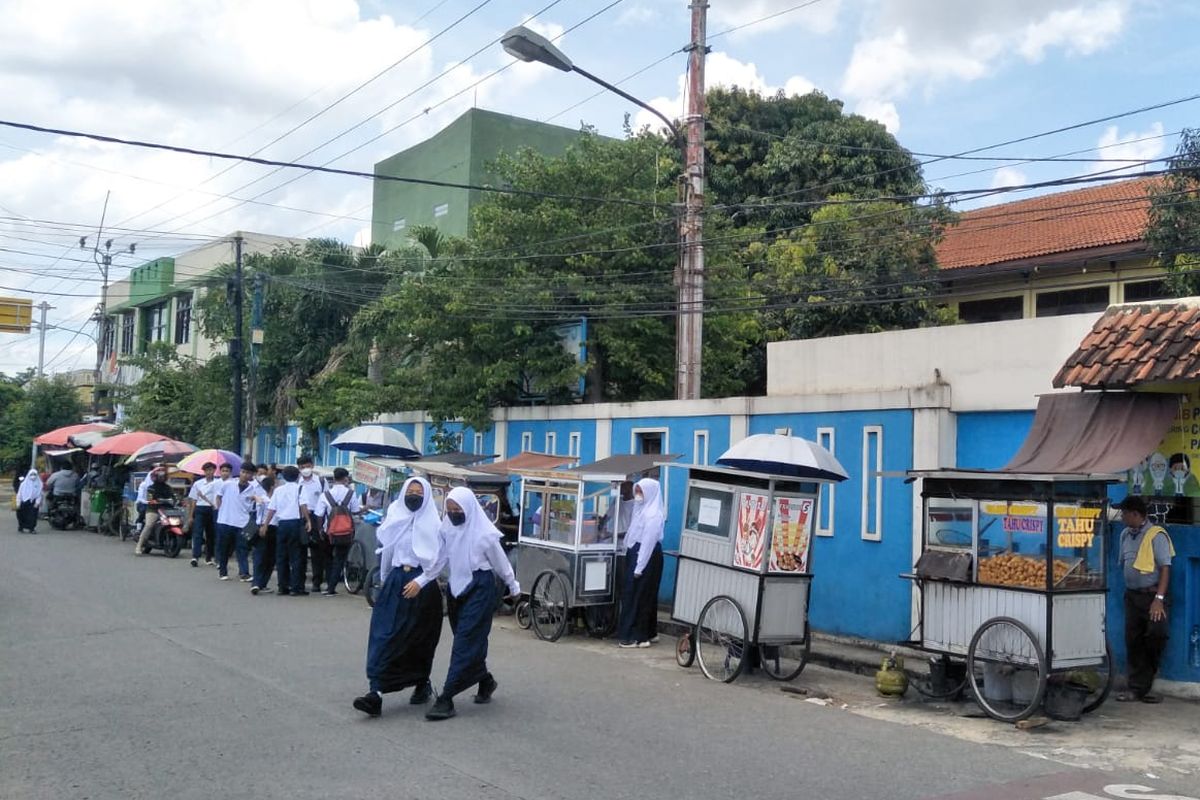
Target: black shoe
{"points": [[442, 709], [370, 704], [298, 593], [422, 694], [283, 593], [316, 587], [487, 687]]}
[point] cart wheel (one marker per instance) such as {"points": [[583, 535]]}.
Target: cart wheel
{"points": [[523, 615], [948, 688], [721, 638], [355, 573], [784, 662], [601, 621], [549, 606], [373, 587], [1006, 645], [1106, 677], [685, 654]]}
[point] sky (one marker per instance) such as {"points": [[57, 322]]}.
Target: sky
{"points": [[349, 83]]}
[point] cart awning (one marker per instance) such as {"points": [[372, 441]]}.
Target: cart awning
{"points": [[527, 460], [1090, 433]]}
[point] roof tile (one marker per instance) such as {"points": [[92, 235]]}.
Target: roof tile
{"points": [[1138, 343]]}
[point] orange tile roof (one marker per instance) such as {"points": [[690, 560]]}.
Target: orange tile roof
{"points": [[1137, 343], [1097, 216]]}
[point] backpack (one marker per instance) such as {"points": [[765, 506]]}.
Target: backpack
{"points": [[339, 527]]}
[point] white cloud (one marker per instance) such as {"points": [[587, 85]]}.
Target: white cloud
{"points": [[1136, 145], [921, 45], [721, 70], [882, 112], [1008, 176], [820, 17], [551, 30], [637, 15]]}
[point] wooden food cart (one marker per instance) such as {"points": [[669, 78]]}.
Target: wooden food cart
{"points": [[1011, 580], [744, 572], [571, 539]]}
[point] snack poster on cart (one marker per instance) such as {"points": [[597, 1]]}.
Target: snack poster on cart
{"points": [[751, 541], [792, 534]]}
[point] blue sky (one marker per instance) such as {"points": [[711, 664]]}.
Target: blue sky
{"points": [[278, 76]]}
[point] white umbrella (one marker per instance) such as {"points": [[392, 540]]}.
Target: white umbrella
{"points": [[376, 440], [772, 454]]}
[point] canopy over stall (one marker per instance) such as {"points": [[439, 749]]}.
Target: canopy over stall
{"points": [[61, 437]]}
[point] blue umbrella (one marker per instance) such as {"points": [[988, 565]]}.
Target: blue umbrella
{"points": [[376, 440]]}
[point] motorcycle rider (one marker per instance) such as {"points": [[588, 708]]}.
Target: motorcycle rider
{"points": [[159, 494]]}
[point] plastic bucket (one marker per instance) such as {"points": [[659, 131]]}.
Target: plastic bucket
{"points": [[997, 683]]}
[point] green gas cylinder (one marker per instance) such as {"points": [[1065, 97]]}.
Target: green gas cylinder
{"points": [[890, 680]]}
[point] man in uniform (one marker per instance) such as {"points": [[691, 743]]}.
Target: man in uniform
{"points": [[1146, 554]]}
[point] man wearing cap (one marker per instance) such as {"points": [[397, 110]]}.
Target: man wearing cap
{"points": [[1146, 553]]}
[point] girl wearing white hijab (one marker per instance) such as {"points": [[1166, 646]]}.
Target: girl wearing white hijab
{"points": [[476, 558], [29, 500], [406, 623], [638, 625]]}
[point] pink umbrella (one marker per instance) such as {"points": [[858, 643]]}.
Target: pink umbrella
{"points": [[196, 461], [59, 436]]}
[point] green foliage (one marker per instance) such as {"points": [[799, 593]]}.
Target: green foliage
{"points": [[181, 398], [30, 407], [1173, 230]]}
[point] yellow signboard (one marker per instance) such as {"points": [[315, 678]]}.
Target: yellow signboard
{"points": [[16, 315], [1170, 471]]}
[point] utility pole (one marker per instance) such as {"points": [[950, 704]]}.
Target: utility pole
{"points": [[689, 338], [104, 262], [41, 367], [256, 341], [235, 346]]}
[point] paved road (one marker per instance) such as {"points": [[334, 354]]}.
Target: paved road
{"points": [[125, 677]]}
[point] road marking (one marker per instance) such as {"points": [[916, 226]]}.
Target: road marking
{"points": [[1073, 785]]}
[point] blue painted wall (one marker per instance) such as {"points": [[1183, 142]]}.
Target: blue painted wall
{"points": [[562, 430], [989, 439]]}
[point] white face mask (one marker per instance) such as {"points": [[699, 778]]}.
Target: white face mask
{"points": [[306, 472]]}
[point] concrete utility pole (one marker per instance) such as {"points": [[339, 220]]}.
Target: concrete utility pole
{"points": [[235, 346], [102, 315], [689, 338], [41, 368]]}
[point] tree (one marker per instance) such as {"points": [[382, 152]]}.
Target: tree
{"points": [[180, 398], [30, 407], [1173, 231]]}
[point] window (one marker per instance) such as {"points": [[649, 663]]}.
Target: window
{"points": [[574, 444], [441, 210], [548, 514], [552, 443], [155, 324], [478, 450], [709, 510], [649, 442], [872, 486], [700, 448], [399, 225], [993, 310], [1146, 290], [109, 337], [183, 319], [526, 442], [1072, 301], [783, 431], [128, 323], [827, 439]]}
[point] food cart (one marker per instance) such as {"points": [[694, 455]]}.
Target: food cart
{"points": [[570, 541], [744, 573], [179, 481], [1011, 580]]}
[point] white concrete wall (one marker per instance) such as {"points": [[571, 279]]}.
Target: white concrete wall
{"points": [[989, 366]]}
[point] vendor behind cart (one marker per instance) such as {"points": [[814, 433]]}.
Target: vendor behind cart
{"points": [[1146, 553]]}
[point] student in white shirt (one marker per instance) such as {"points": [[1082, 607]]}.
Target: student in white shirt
{"points": [[264, 543], [476, 558], [235, 506], [288, 512], [339, 494], [406, 622], [312, 486], [201, 499]]}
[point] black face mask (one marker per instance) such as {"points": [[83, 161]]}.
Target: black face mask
{"points": [[456, 517], [413, 502]]}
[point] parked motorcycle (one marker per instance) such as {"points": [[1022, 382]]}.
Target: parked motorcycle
{"points": [[63, 513], [167, 533]]}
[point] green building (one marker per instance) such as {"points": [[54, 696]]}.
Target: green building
{"points": [[460, 153]]}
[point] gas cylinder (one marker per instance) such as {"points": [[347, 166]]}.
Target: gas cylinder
{"points": [[890, 680]]}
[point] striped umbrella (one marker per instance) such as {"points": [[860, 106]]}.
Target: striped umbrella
{"points": [[167, 451]]}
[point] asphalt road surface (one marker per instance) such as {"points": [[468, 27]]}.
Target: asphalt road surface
{"points": [[124, 677]]}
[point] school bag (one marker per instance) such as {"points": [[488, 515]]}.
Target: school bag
{"points": [[340, 525]]}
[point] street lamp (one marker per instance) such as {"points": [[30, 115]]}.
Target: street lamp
{"points": [[529, 46]]}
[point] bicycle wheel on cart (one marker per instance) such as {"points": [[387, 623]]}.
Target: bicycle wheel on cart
{"points": [[721, 638], [1006, 651], [355, 573], [549, 605], [1100, 681], [685, 652], [784, 661]]}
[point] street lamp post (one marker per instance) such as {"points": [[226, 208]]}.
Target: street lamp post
{"points": [[533, 47]]}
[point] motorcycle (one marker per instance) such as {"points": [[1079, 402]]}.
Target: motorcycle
{"points": [[63, 513], [167, 533]]}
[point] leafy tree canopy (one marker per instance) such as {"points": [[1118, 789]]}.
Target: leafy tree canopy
{"points": [[1174, 226], [29, 407]]}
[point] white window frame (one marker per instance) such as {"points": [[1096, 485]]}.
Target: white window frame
{"points": [[869, 473], [441, 210], [700, 448], [827, 499], [575, 444], [552, 442], [478, 444], [783, 431], [527, 442], [399, 225], [666, 438]]}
